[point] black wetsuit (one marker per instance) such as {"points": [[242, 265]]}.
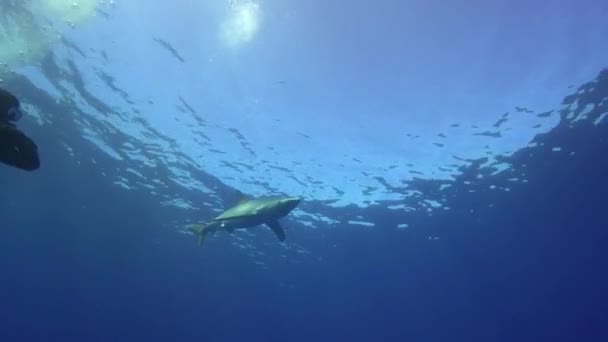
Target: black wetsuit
{"points": [[16, 149]]}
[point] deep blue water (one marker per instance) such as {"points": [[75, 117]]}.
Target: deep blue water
{"points": [[81, 261], [517, 255]]}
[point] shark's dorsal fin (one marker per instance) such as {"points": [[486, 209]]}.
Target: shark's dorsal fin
{"points": [[275, 226], [241, 198]]}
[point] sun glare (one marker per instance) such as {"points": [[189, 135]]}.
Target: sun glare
{"points": [[242, 23]]}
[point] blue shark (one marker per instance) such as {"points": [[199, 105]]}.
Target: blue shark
{"points": [[246, 214]]}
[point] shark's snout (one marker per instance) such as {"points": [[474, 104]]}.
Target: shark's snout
{"points": [[290, 203]]}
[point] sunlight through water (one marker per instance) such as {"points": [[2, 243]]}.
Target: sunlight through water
{"points": [[72, 11], [321, 111], [242, 24], [24, 39]]}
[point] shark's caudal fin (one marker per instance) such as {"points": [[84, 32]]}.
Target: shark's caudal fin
{"points": [[199, 231], [275, 226]]}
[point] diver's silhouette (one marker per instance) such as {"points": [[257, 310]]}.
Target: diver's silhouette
{"points": [[16, 149]]}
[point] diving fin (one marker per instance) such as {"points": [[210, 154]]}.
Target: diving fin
{"points": [[199, 231], [275, 226]]}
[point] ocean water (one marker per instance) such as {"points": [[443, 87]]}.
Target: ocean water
{"points": [[451, 159]]}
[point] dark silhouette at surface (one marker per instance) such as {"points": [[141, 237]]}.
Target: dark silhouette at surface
{"points": [[16, 149]]}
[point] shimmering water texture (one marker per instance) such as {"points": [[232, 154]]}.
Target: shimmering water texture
{"points": [[437, 168]]}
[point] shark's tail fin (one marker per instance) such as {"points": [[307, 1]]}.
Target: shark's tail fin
{"points": [[199, 231]]}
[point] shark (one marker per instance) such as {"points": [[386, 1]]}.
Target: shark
{"points": [[248, 213]]}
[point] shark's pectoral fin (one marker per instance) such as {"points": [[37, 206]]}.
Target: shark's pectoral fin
{"points": [[200, 239], [275, 226]]}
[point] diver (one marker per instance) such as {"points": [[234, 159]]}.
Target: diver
{"points": [[16, 149]]}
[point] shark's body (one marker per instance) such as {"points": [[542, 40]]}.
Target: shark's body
{"points": [[249, 213]]}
